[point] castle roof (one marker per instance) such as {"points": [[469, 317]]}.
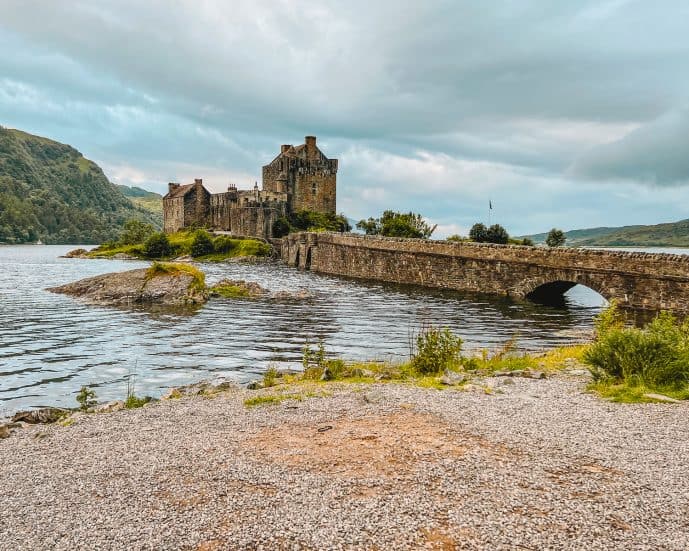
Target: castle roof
{"points": [[180, 191]]}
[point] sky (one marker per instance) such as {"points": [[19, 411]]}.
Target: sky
{"points": [[565, 114]]}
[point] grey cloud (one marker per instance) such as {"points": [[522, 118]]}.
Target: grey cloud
{"points": [[656, 153]]}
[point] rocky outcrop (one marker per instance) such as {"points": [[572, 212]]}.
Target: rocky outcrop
{"points": [[143, 286]]}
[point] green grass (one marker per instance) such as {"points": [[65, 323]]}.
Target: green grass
{"points": [[133, 402], [630, 393], [231, 291], [181, 243]]}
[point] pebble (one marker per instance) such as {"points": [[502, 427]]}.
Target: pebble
{"points": [[564, 470]]}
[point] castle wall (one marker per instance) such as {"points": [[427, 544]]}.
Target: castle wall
{"points": [[173, 214]]}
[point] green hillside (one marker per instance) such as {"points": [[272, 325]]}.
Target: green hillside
{"points": [[49, 191], [149, 200], [671, 234]]}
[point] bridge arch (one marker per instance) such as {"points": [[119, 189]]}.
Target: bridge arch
{"points": [[552, 288]]}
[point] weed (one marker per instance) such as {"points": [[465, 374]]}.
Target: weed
{"points": [[436, 350], [133, 401], [270, 376], [86, 398]]}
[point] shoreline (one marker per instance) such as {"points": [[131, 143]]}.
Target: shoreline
{"points": [[532, 462]]}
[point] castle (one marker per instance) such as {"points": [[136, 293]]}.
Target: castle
{"points": [[299, 178]]}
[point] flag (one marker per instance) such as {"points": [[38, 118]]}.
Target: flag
{"points": [[490, 204]]}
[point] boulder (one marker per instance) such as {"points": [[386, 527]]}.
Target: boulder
{"points": [[76, 253], [40, 416], [450, 378], [661, 398], [169, 286], [230, 288]]}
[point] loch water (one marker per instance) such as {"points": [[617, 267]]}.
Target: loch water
{"points": [[51, 345]]}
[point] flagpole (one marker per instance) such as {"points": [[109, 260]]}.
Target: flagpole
{"points": [[490, 208]]}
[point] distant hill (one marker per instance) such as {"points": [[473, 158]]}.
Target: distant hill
{"points": [[149, 200], [671, 234], [49, 191]]}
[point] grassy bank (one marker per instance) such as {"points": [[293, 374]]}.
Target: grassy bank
{"points": [[198, 244]]}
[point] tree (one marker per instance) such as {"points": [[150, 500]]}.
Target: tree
{"points": [[478, 233], [497, 234], [281, 227], [395, 224], [135, 232], [556, 238], [158, 246]]}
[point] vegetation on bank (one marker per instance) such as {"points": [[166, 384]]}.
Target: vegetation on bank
{"points": [[146, 243], [628, 363], [49, 191]]}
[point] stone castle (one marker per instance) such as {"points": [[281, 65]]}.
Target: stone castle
{"points": [[299, 178]]}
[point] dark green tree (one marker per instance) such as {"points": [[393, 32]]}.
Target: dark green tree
{"points": [[497, 234], [478, 233], [556, 238], [202, 243], [158, 246]]}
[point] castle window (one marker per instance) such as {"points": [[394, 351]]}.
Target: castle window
{"points": [[314, 188]]}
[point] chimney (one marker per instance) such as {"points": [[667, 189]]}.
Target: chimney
{"points": [[285, 147], [310, 143], [172, 186], [198, 181]]}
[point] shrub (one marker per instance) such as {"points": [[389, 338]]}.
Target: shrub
{"points": [[86, 398], [656, 355], [436, 350], [495, 234], [270, 376], [556, 238], [157, 246], [224, 244], [202, 244], [281, 227]]}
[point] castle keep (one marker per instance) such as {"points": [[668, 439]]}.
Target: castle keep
{"points": [[299, 178]]}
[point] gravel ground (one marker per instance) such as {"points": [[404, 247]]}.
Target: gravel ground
{"points": [[538, 464]]}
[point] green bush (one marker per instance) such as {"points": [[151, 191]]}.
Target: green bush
{"points": [[556, 238], [281, 227], [135, 232], [158, 246], [202, 244], [395, 224], [656, 355], [224, 244], [436, 350]]}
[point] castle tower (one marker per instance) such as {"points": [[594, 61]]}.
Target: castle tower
{"points": [[307, 176]]}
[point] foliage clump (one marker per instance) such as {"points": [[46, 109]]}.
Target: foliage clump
{"points": [[202, 244], [555, 238], [308, 220], [436, 350], [135, 232], [656, 355], [479, 233], [158, 246], [395, 224]]}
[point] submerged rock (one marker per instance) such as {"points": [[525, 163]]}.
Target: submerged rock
{"points": [[230, 288], [168, 284]]}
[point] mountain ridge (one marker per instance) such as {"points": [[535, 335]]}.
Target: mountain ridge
{"points": [[50, 192]]}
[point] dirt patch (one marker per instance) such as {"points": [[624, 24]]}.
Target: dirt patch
{"points": [[386, 445]]}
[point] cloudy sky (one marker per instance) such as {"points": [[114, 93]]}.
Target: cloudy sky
{"points": [[564, 113]]}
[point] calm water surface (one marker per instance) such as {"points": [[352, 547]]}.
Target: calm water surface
{"points": [[51, 345]]}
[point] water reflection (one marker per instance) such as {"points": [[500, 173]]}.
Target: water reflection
{"points": [[51, 344]]}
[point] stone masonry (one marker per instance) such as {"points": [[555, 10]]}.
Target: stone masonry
{"points": [[299, 178], [639, 281]]}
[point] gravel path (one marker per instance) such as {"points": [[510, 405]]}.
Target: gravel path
{"points": [[535, 465]]}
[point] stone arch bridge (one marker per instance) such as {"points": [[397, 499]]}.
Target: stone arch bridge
{"points": [[639, 281]]}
